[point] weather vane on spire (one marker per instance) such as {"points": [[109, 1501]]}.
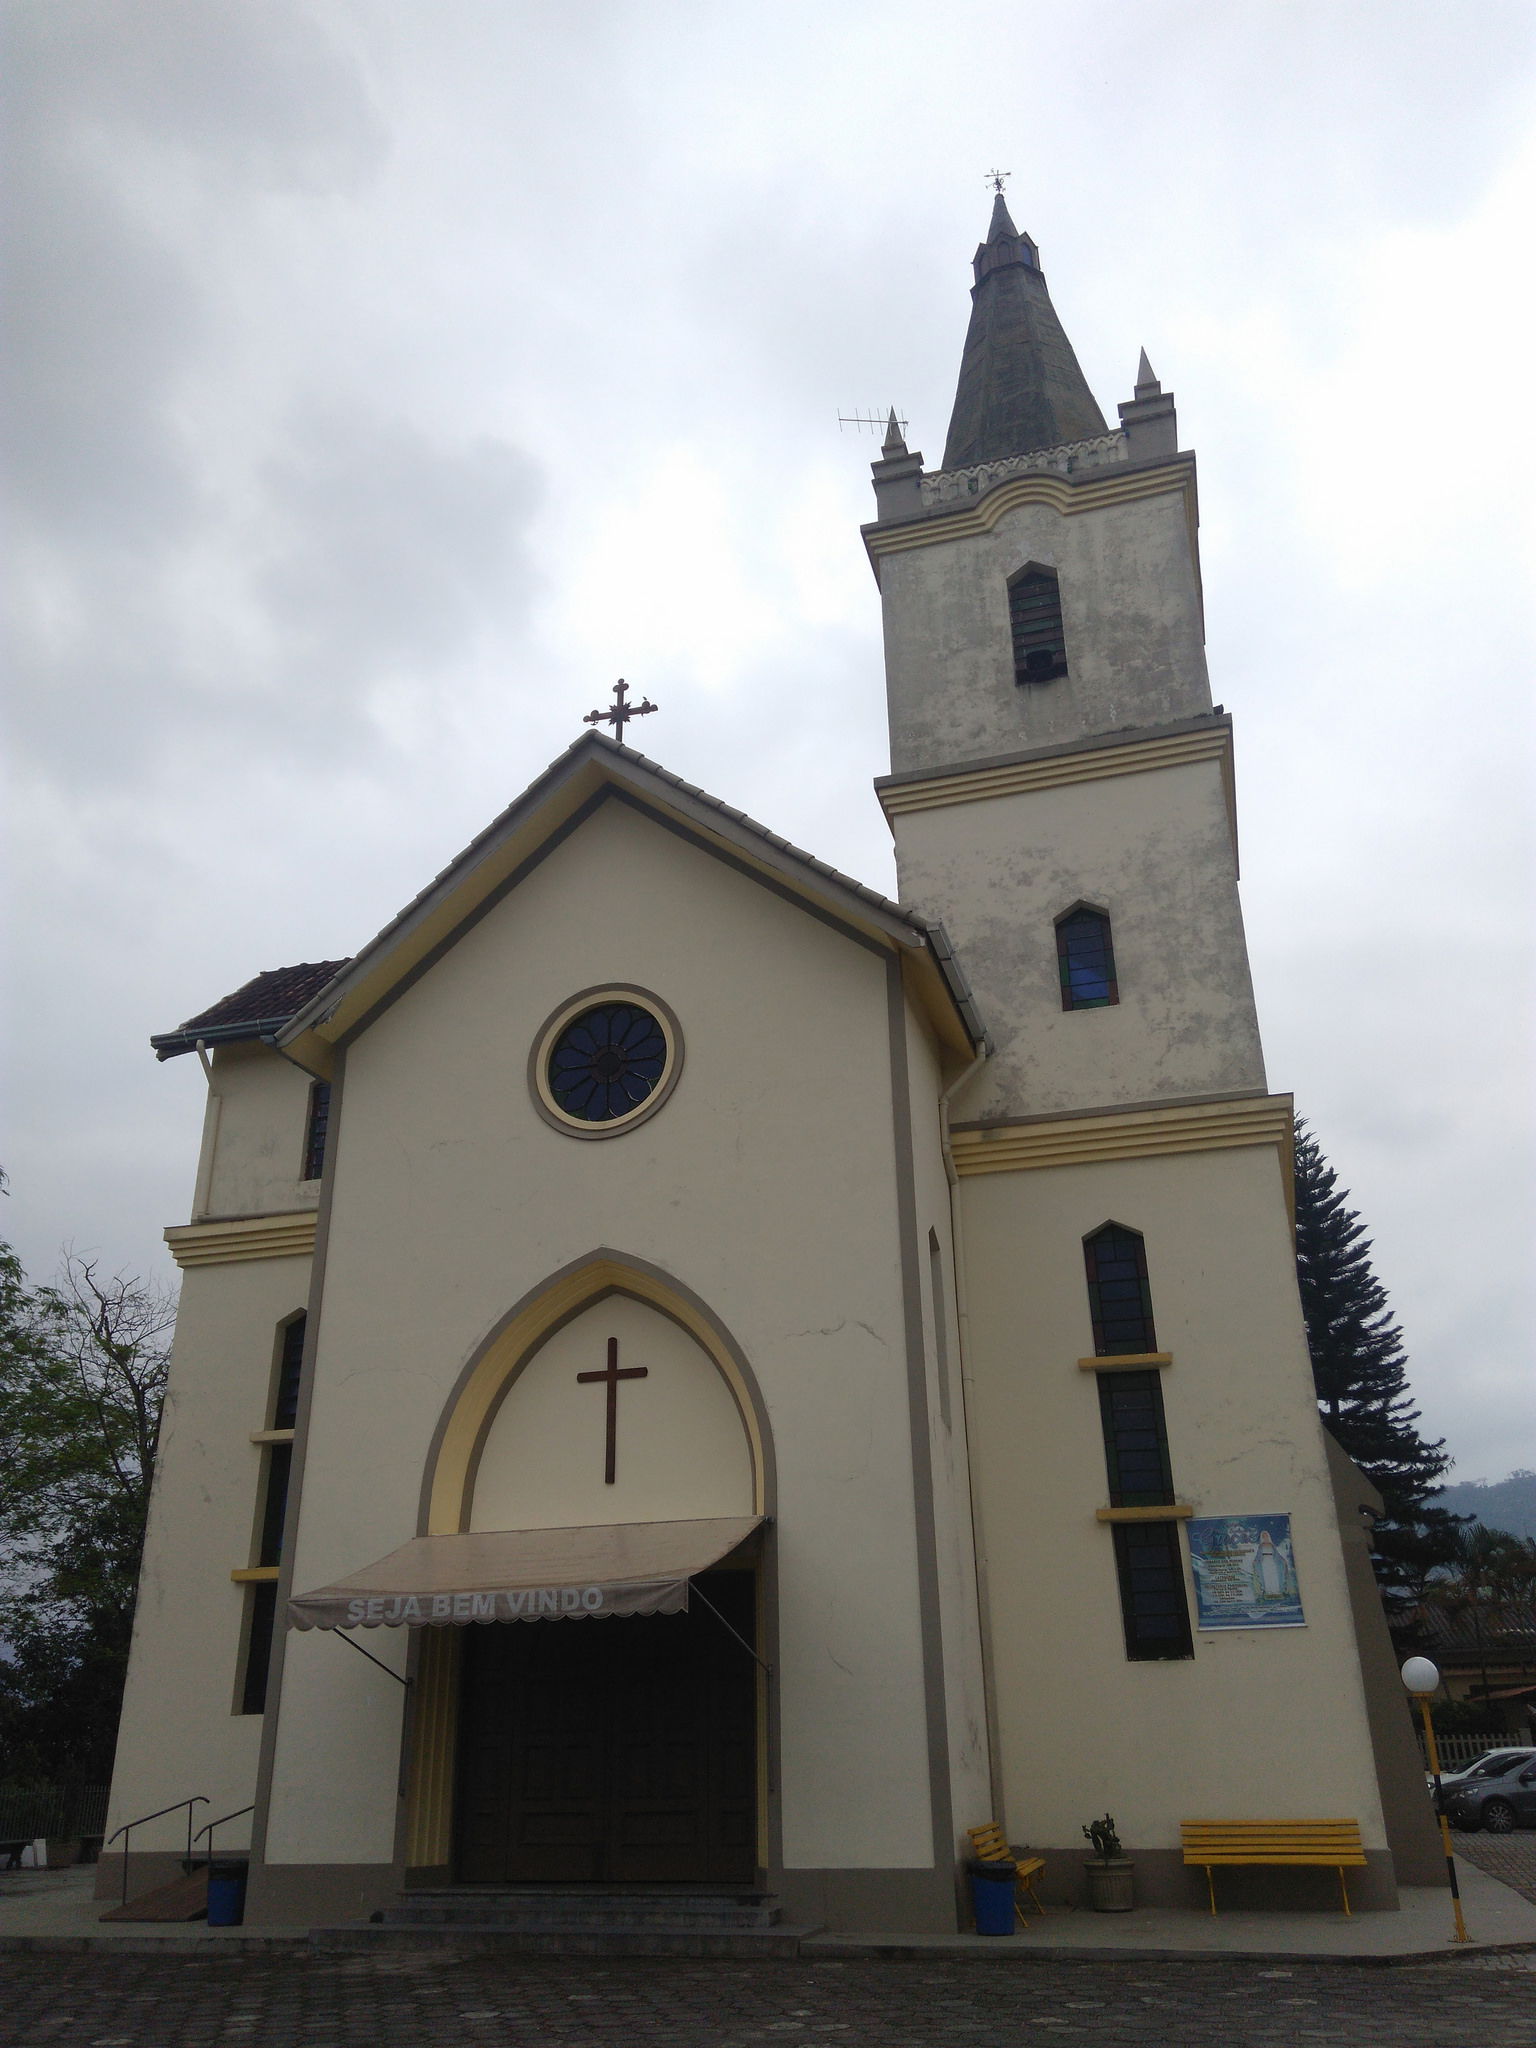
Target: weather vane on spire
{"points": [[621, 711], [997, 180]]}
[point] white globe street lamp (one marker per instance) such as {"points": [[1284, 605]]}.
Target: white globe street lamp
{"points": [[1420, 1676], [1423, 1680]]}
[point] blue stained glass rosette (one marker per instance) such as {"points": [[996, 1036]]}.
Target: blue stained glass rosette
{"points": [[606, 1062]]}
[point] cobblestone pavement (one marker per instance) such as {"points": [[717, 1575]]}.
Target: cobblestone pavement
{"points": [[300, 1999], [1509, 1857]]}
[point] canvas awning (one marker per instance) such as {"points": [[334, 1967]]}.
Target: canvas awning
{"points": [[526, 1575]]}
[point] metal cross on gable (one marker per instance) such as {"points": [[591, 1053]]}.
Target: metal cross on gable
{"points": [[620, 711]]}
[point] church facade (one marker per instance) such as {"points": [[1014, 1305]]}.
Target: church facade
{"points": [[771, 1376]]}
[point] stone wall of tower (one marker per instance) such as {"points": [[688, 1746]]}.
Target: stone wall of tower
{"points": [[1109, 786], [1154, 849], [1130, 600]]}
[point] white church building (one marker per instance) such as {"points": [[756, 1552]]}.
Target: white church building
{"points": [[771, 1376]]}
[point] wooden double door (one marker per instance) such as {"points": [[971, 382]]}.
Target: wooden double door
{"points": [[620, 1751]]}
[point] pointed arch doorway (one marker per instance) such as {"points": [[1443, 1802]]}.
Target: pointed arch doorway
{"points": [[625, 1749]]}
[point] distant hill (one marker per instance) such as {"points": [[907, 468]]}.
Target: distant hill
{"points": [[1497, 1503]]}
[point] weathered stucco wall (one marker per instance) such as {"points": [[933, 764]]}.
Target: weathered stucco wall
{"points": [[1256, 1723], [1130, 605], [766, 1183], [258, 1109], [180, 1731], [970, 1788], [1155, 851]]}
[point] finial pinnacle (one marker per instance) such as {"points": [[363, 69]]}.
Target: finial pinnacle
{"points": [[894, 442], [1147, 385], [621, 711]]}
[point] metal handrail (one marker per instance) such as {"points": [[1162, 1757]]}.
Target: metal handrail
{"points": [[197, 1799], [208, 1831]]}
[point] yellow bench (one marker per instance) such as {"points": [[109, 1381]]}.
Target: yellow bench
{"points": [[991, 1847], [1333, 1844]]}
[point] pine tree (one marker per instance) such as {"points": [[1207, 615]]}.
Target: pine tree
{"points": [[1361, 1372]]}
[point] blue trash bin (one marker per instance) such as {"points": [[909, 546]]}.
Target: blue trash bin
{"points": [[226, 1891], [992, 1896]]}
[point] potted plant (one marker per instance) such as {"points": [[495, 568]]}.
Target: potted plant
{"points": [[1110, 1872]]}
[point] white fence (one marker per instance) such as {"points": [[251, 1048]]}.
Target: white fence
{"points": [[1456, 1751]]}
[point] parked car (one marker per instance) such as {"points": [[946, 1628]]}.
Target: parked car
{"points": [[1493, 1763], [1498, 1793]]}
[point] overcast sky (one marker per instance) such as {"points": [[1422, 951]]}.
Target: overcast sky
{"points": [[393, 374]]}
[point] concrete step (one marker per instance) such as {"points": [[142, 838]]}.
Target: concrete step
{"points": [[545, 1909], [569, 1940], [184, 1898]]}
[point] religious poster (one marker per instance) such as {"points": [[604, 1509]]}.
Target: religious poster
{"points": [[1245, 1572]]}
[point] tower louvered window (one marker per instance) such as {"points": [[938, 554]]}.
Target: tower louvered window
{"points": [[1034, 613]]}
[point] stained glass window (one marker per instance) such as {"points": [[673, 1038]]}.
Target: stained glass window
{"points": [[261, 1616], [606, 1062], [315, 1130], [285, 1409], [1085, 954], [1153, 1604], [1135, 1439], [1118, 1291]]}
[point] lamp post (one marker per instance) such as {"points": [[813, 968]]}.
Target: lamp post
{"points": [[1423, 1680]]}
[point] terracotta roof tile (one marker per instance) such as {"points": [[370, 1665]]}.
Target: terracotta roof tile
{"points": [[261, 1006]]}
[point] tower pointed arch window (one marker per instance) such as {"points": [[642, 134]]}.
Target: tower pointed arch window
{"points": [[1085, 957], [1034, 616]]}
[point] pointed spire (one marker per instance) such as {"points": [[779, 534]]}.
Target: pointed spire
{"points": [[1020, 385], [1149, 422], [1002, 219], [897, 475]]}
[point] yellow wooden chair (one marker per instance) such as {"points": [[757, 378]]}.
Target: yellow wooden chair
{"points": [[991, 1846]]}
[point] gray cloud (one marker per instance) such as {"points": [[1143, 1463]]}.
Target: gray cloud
{"points": [[389, 550], [387, 379], [176, 559]]}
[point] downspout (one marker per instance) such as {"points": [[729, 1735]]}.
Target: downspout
{"points": [[963, 1334], [202, 1192]]}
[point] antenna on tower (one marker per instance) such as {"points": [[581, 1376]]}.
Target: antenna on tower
{"points": [[875, 422]]}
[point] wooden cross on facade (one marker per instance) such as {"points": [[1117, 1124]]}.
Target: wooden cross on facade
{"points": [[610, 1377], [620, 711]]}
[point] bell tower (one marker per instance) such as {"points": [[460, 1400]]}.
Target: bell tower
{"points": [[1055, 757]]}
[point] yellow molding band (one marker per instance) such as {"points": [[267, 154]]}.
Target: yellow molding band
{"points": [[1126, 1361], [1092, 764], [272, 1436], [1174, 1512], [255, 1575], [250, 1237], [1035, 487], [1133, 1134]]}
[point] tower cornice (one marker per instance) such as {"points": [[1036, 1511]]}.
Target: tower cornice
{"points": [[1136, 752], [962, 519]]}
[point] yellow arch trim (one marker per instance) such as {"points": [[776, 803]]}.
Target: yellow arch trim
{"points": [[455, 1455]]}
